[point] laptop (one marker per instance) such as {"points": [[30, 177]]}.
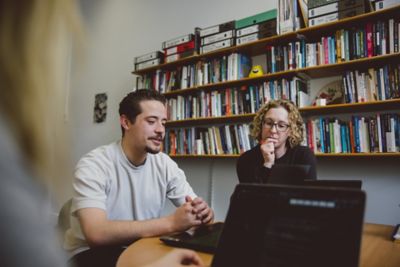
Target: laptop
{"points": [[289, 174], [355, 184], [277, 225]]}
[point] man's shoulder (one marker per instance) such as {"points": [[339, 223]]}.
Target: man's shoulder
{"points": [[102, 153]]}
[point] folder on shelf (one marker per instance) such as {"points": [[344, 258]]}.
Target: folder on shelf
{"points": [[178, 40], [255, 19], [254, 37], [230, 25], [269, 25], [217, 37], [148, 64], [148, 56], [218, 45], [180, 48]]}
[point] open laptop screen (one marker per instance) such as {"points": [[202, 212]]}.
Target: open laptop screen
{"points": [[270, 225]]}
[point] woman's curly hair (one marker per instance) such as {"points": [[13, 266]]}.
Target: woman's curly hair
{"points": [[295, 121]]}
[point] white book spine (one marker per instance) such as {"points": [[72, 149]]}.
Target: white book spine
{"points": [[336, 132]]}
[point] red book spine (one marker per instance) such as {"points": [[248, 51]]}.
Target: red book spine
{"points": [[368, 29]]}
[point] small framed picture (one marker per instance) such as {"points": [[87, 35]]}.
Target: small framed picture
{"points": [[100, 108]]}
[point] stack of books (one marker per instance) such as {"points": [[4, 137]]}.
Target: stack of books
{"points": [[383, 4], [217, 37], [256, 27], [324, 11], [148, 60], [288, 16], [180, 47]]}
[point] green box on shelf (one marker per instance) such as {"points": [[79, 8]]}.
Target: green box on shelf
{"points": [[255, 19]]}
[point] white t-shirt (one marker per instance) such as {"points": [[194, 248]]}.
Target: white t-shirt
{"points": [[105, 179]]}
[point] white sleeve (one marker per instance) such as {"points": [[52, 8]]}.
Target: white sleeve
{"points": [[90, 183], [178, 187]]}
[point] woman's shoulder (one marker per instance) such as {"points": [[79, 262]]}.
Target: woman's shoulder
{"points": [[301, 148], [249, 154]]}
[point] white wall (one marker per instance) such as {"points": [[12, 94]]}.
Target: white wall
{"points": [[119, 30]]}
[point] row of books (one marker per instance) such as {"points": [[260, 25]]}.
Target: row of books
{"points": [[360, 134], [226, 68], [374, 134], [216, 140], [237, 100], [379, 38], [375, 84]]}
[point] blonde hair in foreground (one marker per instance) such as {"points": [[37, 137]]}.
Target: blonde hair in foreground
{"points": [[296, 134], [35, 41]]}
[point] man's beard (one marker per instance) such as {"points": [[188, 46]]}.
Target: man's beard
{"points": [[157, 150], [152, 151]]}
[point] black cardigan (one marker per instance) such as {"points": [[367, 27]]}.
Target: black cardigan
{"points": [[250, 168]]}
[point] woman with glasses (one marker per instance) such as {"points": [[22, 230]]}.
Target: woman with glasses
{"points": [[278, 127]]}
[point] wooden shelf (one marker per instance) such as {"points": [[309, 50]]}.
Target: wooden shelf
{"points": [[211, 120], [328, 28], [321, 155], [235, 83], [311, 72], [336, 69], [352, 107], [353, 155], [310, 34], [306, 111], [258, 47]]}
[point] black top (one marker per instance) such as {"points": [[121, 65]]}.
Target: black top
{"points": [[250, 168]]}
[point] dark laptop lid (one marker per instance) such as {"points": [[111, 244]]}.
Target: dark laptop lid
{"points": [[355, 184], [271, 225], [289, 174]]}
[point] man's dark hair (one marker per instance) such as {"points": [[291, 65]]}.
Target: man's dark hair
{"points": [[130, 105]]}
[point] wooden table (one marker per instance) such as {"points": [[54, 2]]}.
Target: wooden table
{"points": [[377, 250]]}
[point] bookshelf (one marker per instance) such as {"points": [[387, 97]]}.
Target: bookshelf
{"points": [[313, 72]]}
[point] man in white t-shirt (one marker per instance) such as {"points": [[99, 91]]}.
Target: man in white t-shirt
{"points": [[121, 188]]}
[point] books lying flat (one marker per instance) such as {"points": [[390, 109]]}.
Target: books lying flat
{"points": [[148, 56], [386, 4], [334, 7], [336, 16], [266, 25], [254, 37], [218, 45], [148, 64], [178, 40], [230, 25], [217, 37], [315, 3], [180, 48], [255, 19], [181, 55]]}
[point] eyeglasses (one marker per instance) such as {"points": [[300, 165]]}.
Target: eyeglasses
{"points": [[280, 125]]}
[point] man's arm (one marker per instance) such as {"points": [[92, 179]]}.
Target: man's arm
{"points": [[100, 231]]}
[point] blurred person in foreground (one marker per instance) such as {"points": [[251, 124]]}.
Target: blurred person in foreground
{"points": [[33, 42]]}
